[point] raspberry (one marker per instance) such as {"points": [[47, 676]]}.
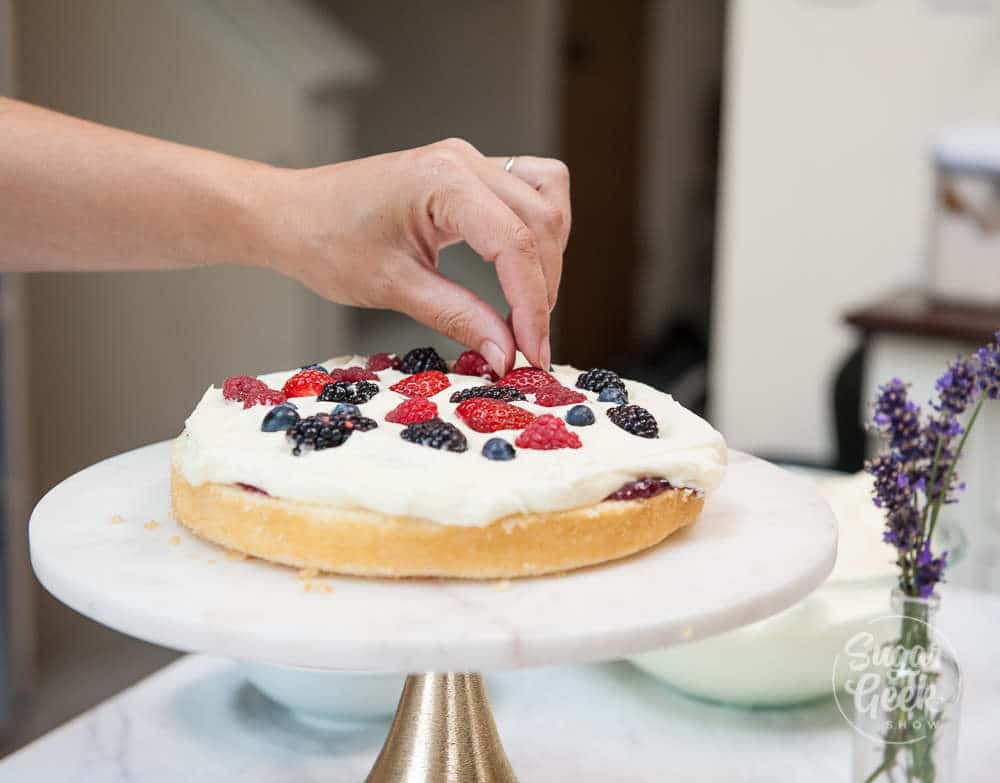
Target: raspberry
{"points": [[634, 419], [237, 387], [421, 360], [423, 384], [437, 434], [412, 411], [646, 487], [263, 396], [556, 394], [527, 379], [497, 392], [473, 363], [305, 383], [597, 380], [485, 415], [382, 361], [353, 374], [346, 391], [547, 432]]}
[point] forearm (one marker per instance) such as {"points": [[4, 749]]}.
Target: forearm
{"points": [[75, 195]]}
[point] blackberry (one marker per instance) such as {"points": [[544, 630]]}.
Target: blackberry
{"points": [[615, 394], [352, 421], [597, 380], [354, 392], [317, 432], [634, 419], [494, 392], [420, 360], [437, 434]]}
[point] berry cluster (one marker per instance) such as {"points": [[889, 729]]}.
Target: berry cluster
{"points": [[354, 392], [250, 391], [326, 430], [597, 380], [437, 434], [421, 360], [493, 391], [634, 419]]}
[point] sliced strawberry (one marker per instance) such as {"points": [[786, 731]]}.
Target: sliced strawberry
{"points": [[412, 411], [382, 361], [527, 379], [547, 432], [353, 374], [473, 363], [306, 383], [264, 396], [423, 384], [556, 394], [485, 415], [237, 387]]}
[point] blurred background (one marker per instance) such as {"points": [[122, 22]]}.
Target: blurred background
{"points": [[771, 216]]}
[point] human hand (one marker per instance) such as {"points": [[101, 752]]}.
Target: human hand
{"points": [[367, 232]]}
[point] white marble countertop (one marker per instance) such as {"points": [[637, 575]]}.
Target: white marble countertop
{"points": [[198, 720]]}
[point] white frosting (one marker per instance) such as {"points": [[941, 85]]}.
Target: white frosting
{"points": [[379, 471]]}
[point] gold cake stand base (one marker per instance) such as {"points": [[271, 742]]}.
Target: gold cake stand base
{"points": [[443, 732]]}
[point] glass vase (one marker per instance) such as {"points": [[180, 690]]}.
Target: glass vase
{"points": [[907, 698]]}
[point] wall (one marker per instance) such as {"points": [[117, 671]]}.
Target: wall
{"points": [[826, 189]]}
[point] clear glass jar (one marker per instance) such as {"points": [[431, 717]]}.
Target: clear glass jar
{"points": [[907, 704]]}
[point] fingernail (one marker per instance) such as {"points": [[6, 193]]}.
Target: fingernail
{"points": [[544, 354], [491, 352]]}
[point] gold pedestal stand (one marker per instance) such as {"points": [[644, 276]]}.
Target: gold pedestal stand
{"points": [[443, 732]]}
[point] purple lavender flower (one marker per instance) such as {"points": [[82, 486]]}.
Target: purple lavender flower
{"points": [[929, 571], [957, 387], [893, 488], [898, 418], [902, 528], [989, 369]]}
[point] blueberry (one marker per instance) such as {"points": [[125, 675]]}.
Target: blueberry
{"points": [[498, 449], [580, 416], [347, 409], [280, 418], [613, 394], [319, 367]]}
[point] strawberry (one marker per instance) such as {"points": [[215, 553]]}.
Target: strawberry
{"points": [[547, 432], [306, 383], [485, 415], [263, 396], [556, 394], [382, 361], [527, 379], [353, 374], [423, 384], [237, 387], [473, 363], [412, 411]]}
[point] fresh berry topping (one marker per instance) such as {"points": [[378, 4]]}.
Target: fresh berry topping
{"points": [[527, 379], [547, 432], [423, 384], [473, 363], [498, 449], [263, 396], [319, 367], [421, 360], [305, 383], [412, 411], [251, 488], [598, 379], [279, 419], [645, 487], [382, 361], [556, 394], [497, 392], [437, 434], [485, 415], [355, 392], [634, 419], [580, 416], [614, 394], [237, 387], [352, 374], [324, 431], [347, 409], [352, 421]]}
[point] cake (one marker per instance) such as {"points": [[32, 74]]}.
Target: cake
{"points": [[407, 466]]}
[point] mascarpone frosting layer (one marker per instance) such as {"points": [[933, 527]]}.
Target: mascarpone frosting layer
{"points": [[379, 471]]}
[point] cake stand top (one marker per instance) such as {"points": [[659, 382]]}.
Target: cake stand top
{"points": [[765, 540]]}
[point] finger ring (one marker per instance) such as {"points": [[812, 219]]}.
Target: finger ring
{"points": [[509, 165]]}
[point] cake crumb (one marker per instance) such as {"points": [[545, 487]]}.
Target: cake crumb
{"points": [[117, 519], [232, 554], [151, 525], [307, 573], [174, 540], [317, 587], [503, 585]]}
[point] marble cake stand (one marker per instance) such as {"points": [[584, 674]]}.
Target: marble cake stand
{"points": [[104, 543]]}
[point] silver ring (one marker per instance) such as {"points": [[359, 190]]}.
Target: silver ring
{"points": [[509, 164]]}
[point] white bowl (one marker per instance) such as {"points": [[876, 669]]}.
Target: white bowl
{"points": [[328, 697]]}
